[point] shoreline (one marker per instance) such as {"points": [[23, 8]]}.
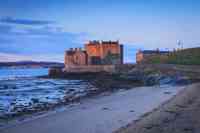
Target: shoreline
{"points": [[178, 115], [112, 85], [104, 83], [68, 101], [106, 108]]}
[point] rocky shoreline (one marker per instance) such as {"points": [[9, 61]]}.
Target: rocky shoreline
{"points": [[104, 113], [104, 82], [93, 88], [142, 74]]}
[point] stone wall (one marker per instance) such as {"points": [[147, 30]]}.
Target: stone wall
{"points": [[90, 68]]}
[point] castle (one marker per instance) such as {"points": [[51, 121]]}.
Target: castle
{"points": [[95, 53]]}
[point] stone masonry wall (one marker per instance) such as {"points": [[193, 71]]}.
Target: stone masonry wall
{"points": [[90, 68]]}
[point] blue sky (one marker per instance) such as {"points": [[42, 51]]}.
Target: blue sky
{"points": [[43, 29]]}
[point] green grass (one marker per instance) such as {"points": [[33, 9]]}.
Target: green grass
{"points": [[186, 57], [156, 60], [189, 56]]}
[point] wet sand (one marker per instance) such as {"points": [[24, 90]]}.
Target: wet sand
{"points": [[102, 114], [180, 115]]}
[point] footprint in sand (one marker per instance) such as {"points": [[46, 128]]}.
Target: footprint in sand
{"points": [[105, 108]]}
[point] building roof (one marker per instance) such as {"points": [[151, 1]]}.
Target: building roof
{"points": [[109, 42], [95, 42], [71, 52], [154, 52]]}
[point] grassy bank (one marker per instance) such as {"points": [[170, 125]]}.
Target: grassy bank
{"points": [[189, 56]]}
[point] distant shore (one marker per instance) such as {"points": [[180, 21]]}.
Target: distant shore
{"points": [[29, 64], [179, 115]]}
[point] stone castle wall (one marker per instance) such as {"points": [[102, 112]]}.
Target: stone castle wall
{"points": [[90, 68], [100, 50]]}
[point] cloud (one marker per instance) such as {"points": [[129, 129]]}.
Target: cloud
{"points": [[9, 20], [43, 42], [12, 30], [44, 31], [7, 57], [10, 57], [51, 39], [41, 31]]}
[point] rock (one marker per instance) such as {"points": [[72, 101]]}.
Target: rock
{"points": [[167, 92], [54, 72], [182, 81], [14, 87], [35, 100], [6, 86], [134, 75], [105, 108], [166, 80], [71, 90], [151, 80], [7, 94]]}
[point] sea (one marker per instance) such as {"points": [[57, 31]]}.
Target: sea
{"points": [[23, 90]]}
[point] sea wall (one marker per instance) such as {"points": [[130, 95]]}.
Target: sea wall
{"points": [[81, 70], [90, 68], [89, 71]]}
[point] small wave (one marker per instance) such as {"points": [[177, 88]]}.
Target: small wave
{"points": [[16, 77]]}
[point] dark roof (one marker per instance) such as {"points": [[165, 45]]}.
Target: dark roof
{"points": [[110, 42], [102, 42], [71, 52], [154, 52]]}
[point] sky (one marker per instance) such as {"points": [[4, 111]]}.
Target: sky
{"points": [[41, 30]]}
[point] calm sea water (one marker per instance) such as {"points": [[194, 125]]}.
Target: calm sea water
{"points": [[20, 72]]}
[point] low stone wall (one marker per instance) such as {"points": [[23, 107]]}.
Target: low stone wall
{"points": [[90, 68]]}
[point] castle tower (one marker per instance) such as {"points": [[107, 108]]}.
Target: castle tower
{"points": [[104, 52]]}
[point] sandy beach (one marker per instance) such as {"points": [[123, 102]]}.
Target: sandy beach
{"points": [[179, 115], [103, 114]]}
